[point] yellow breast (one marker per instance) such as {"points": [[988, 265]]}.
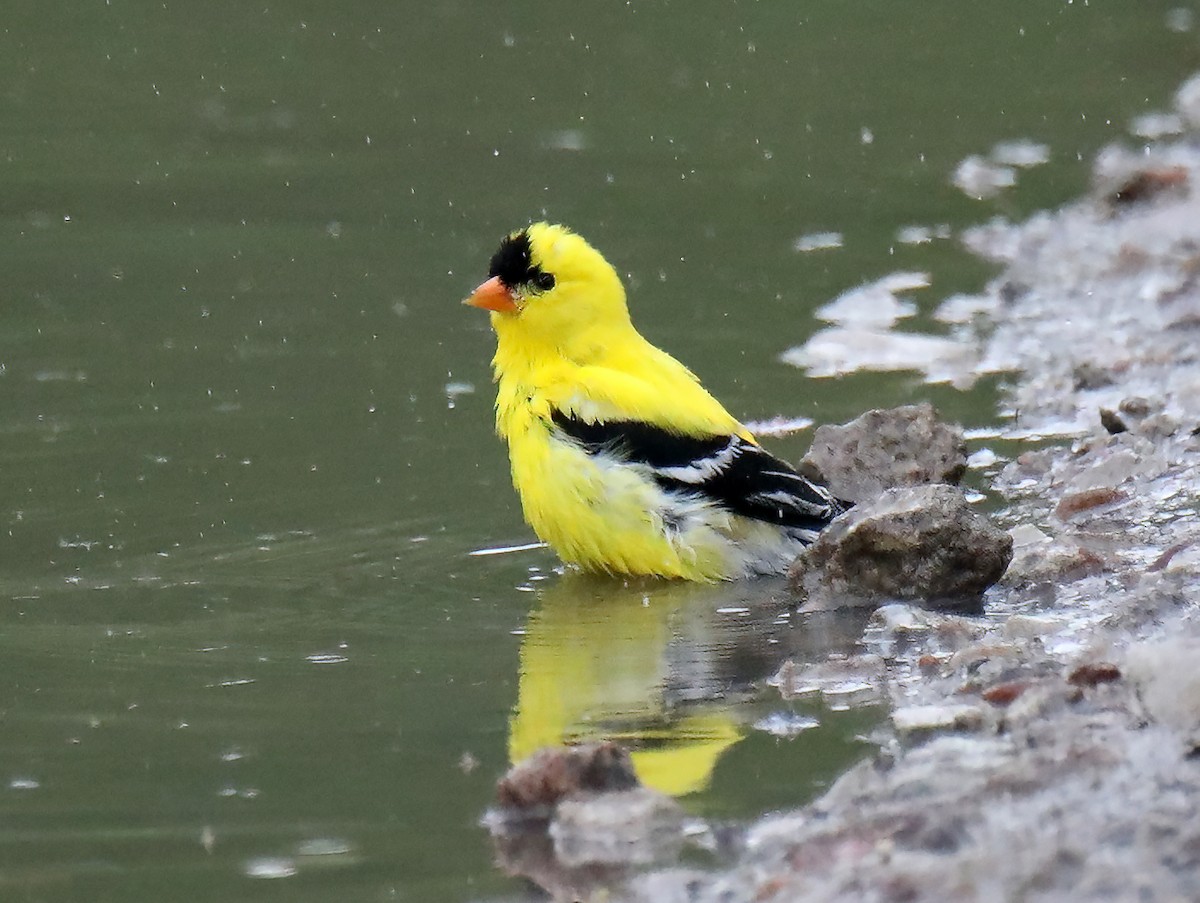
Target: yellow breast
{"points": [[598, 513]]}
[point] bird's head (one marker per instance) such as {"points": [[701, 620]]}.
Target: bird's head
{"points": [[547, 285]]}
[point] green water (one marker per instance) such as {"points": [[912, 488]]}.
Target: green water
{"points": [[242, 464]]}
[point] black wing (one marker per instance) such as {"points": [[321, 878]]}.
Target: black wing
{"points": [[734, 473]]}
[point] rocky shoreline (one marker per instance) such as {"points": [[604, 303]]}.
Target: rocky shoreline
{"points": [[1050, 750]]}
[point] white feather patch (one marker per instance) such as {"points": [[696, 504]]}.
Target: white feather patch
{"points": [[703, 469]]}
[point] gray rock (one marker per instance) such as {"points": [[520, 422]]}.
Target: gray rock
{"points": [[1138, 407], [1054, 562], [1112, 422], [631, 827], [882, 449], [916, 720], [1089, 375], [922, 542], [1158, 426], [574, 820]]}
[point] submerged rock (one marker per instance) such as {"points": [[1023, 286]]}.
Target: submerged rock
{"points": [[921, 542], [883, 449]]}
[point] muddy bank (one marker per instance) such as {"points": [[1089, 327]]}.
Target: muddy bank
{"points": [[1051, 748]]}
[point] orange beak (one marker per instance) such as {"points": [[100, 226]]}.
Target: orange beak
{"points": [[494, 295]]}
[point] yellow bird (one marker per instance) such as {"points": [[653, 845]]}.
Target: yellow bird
{"points": [[623, 462]]}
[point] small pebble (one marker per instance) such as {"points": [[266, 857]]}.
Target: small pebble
{"points": [[1005, 694], [1076, 502], [1112, 422], [926, 718], [1095, 673]]}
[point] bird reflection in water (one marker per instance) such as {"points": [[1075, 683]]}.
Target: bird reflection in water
{"points": [[669, 670]]}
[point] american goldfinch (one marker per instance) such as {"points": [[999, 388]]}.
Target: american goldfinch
{"points": [[623, 462]]}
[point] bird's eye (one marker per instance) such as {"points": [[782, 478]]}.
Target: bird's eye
{"points": [[543, 282]]}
